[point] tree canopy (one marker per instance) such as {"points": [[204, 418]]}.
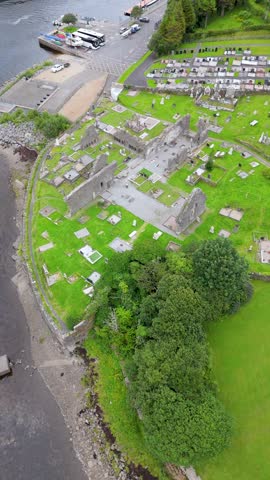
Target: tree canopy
{"points": [[136, 11], [69, 18], [152, 308]]}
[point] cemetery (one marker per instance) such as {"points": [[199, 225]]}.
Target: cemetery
{"points": [[78, 248], [173, 168], [239, 68]]}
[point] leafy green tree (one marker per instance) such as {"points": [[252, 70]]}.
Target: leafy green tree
{"points": [[181, 366], [146, 251], [136, 12], [189, 12], [184, 432], [69, 18], [221, 272], [182, 316]]}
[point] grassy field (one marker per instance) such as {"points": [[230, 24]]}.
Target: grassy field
{"points": [[241, 364]]}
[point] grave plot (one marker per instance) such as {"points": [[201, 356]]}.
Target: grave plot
{"points": [[71, 161], [67, 274]]}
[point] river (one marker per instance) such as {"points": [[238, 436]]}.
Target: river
{"points": [[21, 21], [34, 441]]}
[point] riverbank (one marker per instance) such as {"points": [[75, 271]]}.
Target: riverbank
{"points": [[34, 436], [46, 382]]}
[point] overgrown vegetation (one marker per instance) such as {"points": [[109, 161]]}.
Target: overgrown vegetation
{"points": [[184, 17], [152, 308], [51, 125]]}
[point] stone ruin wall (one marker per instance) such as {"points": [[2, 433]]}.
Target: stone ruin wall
{"points": [[193, 208], [86, 193], [169, 135]]}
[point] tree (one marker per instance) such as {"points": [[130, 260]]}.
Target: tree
{"points": [[69, 18], [220, 272], [189, 12], [224, 5], [205, 8], [185, 432], [171, 30], [136, 11], [181, 366]]}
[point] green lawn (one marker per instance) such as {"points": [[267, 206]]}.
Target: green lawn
{"points": [[68, 298], [240, 345], [181, 104]]}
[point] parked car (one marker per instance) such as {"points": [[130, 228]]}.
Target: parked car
{"points": [[135, 28], [66, 65], [126, 33], [144, 19], [57, 67], [123, 30]]}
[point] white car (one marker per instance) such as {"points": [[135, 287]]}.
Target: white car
{"points": [[57, 68]]}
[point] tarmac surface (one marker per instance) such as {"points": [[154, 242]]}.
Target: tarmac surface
{"points": [[34, 440]]}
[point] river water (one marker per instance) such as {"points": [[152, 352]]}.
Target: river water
{"points": [[21, 21], [34, 441]]}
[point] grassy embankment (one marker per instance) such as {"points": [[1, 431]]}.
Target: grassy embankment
{"points": [[240, 345]]}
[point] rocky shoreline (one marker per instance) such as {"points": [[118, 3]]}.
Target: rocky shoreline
{"points": [[25, 133], [93, 442]]}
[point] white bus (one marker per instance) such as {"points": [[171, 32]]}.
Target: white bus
{"points": [[99, 36], [88, 41]]}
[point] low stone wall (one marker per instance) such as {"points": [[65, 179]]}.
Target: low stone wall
{"points": [[260, 276]]}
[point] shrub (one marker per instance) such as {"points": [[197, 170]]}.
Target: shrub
{"points": [[51, 125], [266, 173]]}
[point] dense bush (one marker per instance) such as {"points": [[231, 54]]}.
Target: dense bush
{"points": [[152, 308]]}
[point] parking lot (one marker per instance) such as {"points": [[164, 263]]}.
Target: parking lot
{"points": [[119, 53]]}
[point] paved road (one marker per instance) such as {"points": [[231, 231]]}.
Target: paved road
{"points": [[137, 78], [34, 441]]}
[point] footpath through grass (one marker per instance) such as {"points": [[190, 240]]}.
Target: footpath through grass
{"points": [[241, 362]]}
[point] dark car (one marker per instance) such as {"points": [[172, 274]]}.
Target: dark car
{"points": [[66, 65], [144, 19]]}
